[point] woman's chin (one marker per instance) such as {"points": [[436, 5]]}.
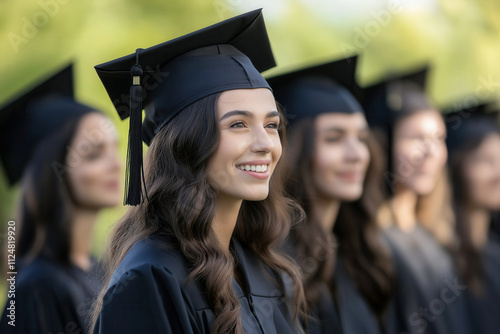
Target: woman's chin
{"points": [[257, 195]]}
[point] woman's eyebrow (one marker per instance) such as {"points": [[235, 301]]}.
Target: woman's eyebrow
{"points": [[332, 129], [340, 129], [91, 144], [247, 114], [273, 114], [236, 112]]}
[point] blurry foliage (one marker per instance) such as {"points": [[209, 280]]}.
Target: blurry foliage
{"points": [[460, 38]]}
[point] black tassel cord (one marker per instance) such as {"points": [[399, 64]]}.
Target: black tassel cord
{"points": [[135, 173]]}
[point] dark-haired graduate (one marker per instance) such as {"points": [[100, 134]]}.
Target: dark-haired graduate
{"points": [[474, 160], [417, 219], [64, 155], [335, 175], [198, 251]]}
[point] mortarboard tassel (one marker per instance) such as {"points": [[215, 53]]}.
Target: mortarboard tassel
{"points": [[135, 173]]}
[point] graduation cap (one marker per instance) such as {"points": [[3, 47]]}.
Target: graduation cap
{"points": [[469, 123], [383, 100], [168, 77], [308, 92], [35, 114]]}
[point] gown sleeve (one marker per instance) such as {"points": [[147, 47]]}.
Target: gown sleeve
{"points": [[484, 307], [146, 299], [356, 315], [325, 317]]}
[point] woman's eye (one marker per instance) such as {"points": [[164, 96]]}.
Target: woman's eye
{"points": [[274, 125], [237, 124], [363, 138], [93, 156], [483, 160], [332, 139]]}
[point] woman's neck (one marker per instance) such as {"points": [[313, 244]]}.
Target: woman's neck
{"points": [[325, 211], [224, 222], [82, 233], [404, 207], [479, 224]]}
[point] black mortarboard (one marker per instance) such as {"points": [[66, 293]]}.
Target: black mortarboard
{"points": [[311, 91], [383, 100], [168, 77], [29, 118], [469, 124]]}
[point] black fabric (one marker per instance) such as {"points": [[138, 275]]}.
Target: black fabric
{"points": [[466, 126], [149, 293], [195, 75], [325, 318], [29, 118], [51, 298], [430, 298], [485, 307], [382, 101], [495, 223], [356, 315], [324, 315], [308, 92]]}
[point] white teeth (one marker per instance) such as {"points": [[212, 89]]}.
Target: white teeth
{"points": [[253, 168]]}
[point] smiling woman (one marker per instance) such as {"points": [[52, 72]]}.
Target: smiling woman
{"points": [[199, 252], [249, 140], [341, 155]]}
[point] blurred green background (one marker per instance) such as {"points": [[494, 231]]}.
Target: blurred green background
{"points": [[459, 38]]}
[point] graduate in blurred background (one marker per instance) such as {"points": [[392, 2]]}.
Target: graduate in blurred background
{"points": [[417, 216], [474, 160], [65, 156], [334, 172]]}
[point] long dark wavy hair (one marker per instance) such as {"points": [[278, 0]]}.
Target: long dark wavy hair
{"points": [[355, 229], [468, 255], [182, 204], [46, 200]]}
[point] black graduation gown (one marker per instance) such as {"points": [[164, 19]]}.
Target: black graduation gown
{"points": [[485, 308], [495, 223], [149, 293], [324, 315], [51, 298], [356, 314], [430, 298]]}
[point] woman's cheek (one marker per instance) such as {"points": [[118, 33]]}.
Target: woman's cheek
{"points": [[83, 182]]}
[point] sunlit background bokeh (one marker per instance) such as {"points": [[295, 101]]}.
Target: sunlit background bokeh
{"points": [[459, 39]]}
